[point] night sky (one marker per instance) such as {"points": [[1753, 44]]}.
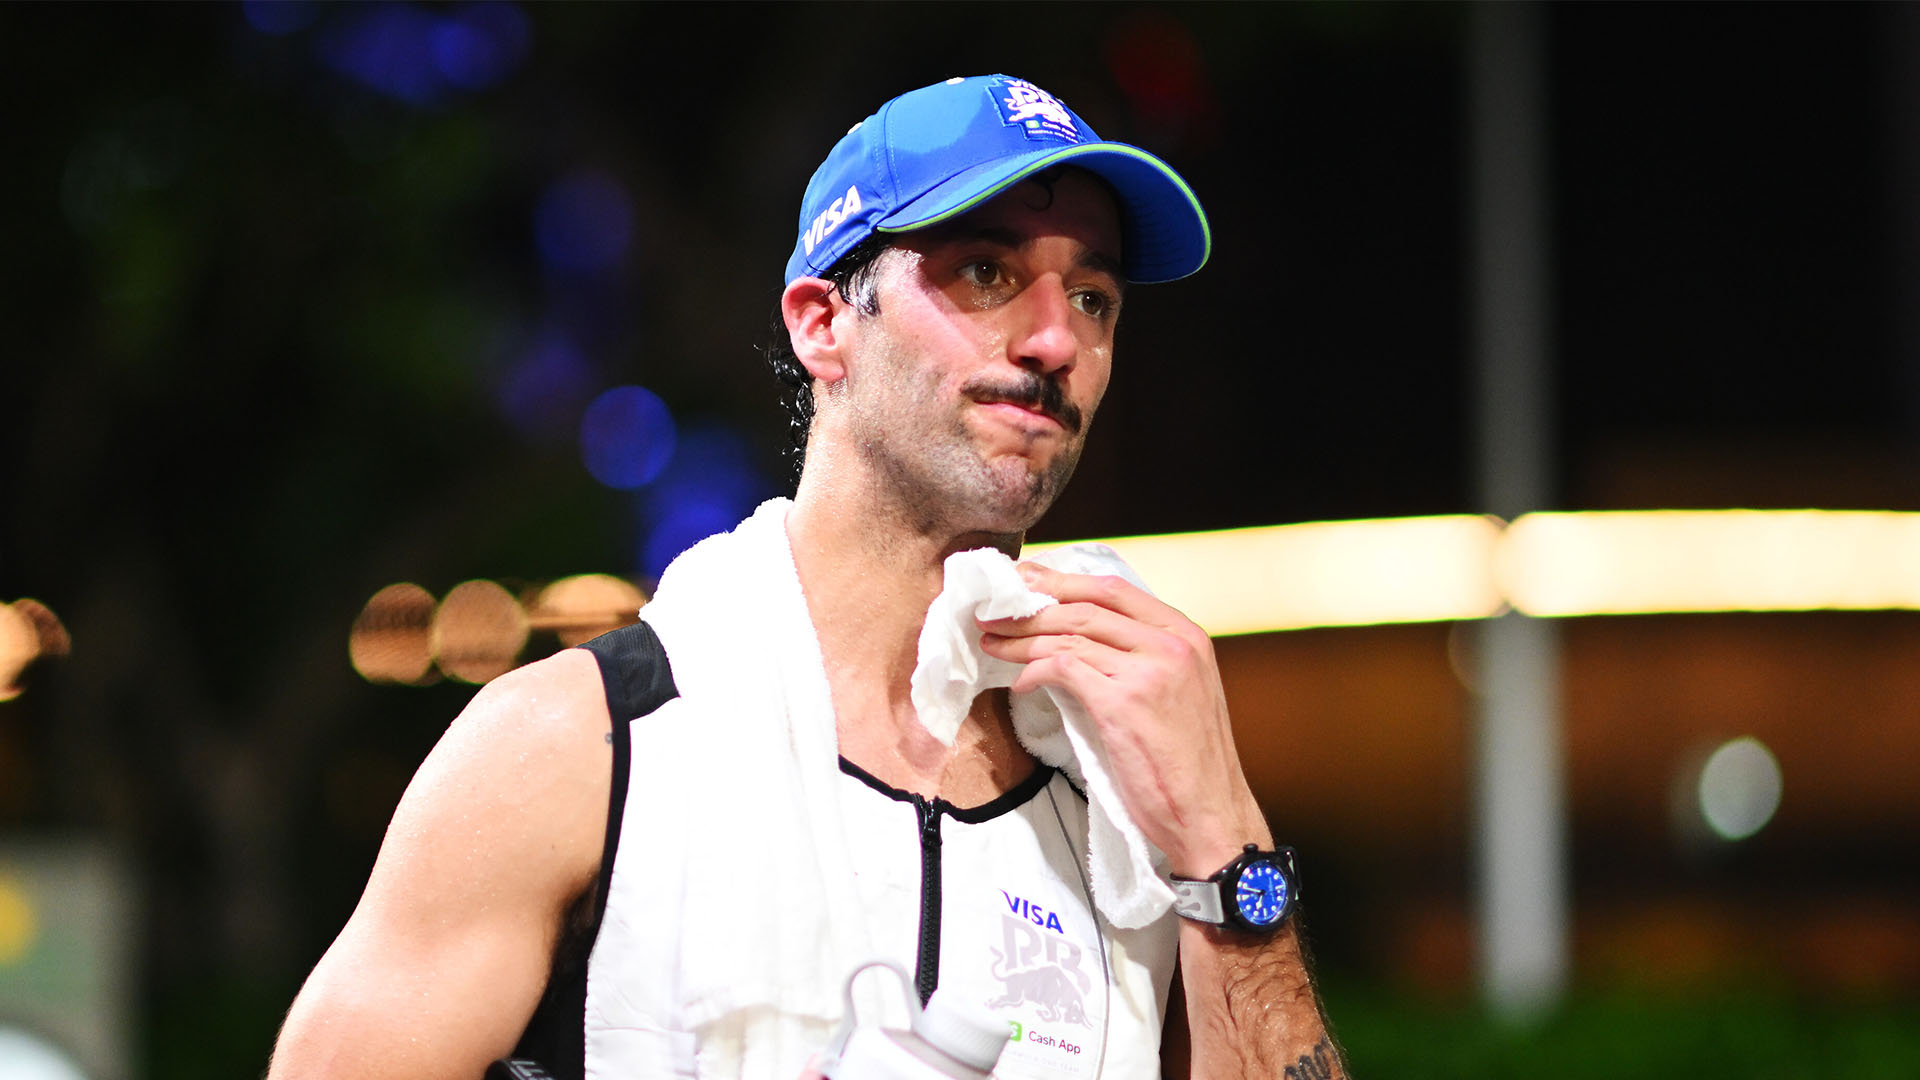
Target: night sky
{"points": [[1726, 240]]}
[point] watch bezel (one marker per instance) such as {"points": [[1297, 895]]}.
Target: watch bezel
{"points": [[1281, 862]]}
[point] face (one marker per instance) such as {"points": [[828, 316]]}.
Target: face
{"points": [[971, 391]]}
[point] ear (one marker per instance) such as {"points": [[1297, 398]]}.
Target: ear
{"points": [[808, 307]]}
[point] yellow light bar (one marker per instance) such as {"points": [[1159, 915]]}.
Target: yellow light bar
{"points": [[1327, 573], [1334, 573], [1643, 562], [1394, 570]]}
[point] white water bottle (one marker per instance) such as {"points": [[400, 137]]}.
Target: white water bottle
{"points": [[949, 1040]]}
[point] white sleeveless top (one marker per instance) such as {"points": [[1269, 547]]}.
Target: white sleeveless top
{"points": [[1015, 930], [746, 872], [1005, 907]]}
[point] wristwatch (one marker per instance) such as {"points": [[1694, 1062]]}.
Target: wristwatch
{"points": [[1256, 892]]}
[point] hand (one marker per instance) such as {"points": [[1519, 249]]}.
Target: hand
{"points": [[1149, 681]]}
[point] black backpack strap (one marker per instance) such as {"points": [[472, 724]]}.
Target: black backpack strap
{"points": [[638, 680], [634, 667], [516, 1069]]}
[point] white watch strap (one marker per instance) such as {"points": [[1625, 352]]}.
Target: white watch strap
{"points": [[1198, 900]]}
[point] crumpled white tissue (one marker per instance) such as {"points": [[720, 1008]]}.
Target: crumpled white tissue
{"points": [[1126, 871]]}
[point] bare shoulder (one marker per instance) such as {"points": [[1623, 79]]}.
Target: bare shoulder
{"points": [[551, 702], [445, 957], [542, 698], [522, 773]]}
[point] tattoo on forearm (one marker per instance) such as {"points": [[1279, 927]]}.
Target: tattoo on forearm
{"points": [[1315, 1066]]}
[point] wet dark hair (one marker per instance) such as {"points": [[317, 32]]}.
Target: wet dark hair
{"points": [[852, 277]]}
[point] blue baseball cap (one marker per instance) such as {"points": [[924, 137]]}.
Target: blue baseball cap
{"points": [[939, 151]]}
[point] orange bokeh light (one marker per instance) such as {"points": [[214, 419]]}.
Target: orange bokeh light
{"points": [[584, 606], [478, 632], [29, 630], [390, 640], [18, 647]]}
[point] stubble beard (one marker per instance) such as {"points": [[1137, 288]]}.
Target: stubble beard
{"points": [[940, 482]]}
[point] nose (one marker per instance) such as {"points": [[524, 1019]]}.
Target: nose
{"points": [[1044, 339]]}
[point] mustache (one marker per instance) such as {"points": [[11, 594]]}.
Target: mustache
{"points": [[1036, 392]]}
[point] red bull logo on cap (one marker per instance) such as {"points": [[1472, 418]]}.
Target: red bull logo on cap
{"points": [[1037, 113]]}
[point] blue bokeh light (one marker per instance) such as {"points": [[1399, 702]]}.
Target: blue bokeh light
{"points": [[685, 525], [479, 44], [627, 437], [387, 48], [544, 387], [583, 222], [406, 52], [710, 485], [279, 17]]}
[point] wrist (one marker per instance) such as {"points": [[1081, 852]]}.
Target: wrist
{"points": [[1214, 844]]}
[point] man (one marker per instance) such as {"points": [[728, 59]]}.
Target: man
{"points": [[779, 812]]}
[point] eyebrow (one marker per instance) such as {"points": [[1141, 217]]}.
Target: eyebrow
{"points": [[1001, 236]]}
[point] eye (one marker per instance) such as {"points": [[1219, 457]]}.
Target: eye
{"points": [[1093, 302], [984, 273]]}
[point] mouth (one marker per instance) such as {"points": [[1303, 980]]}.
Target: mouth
{"points": [[1021, 414], [1023, 403]]}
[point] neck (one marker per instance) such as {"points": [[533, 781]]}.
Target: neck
{"points": [[869, 572]]}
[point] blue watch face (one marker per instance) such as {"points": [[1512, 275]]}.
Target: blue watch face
{"points": [[1261, 894]]}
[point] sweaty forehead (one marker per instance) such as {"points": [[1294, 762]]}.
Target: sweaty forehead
{"points": [[1072, 204]]}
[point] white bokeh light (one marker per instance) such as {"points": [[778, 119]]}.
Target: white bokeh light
{"points": [[24, 1056], [1739, 788]]}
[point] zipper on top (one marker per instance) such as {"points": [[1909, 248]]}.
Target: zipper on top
{"points": [[927, 972], [927, 812]]}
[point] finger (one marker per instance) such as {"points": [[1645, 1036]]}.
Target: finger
{"points": [[1103, 658], [1068, 671], [1106, 590], [1086, 620]]}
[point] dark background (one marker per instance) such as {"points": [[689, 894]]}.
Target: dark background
{"points": [[290, 314]]}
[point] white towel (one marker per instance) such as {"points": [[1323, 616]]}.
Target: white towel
{"points": [[762, 968], [1126, 870]]}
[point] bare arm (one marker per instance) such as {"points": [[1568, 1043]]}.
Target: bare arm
{"points": [[1148, 678], [444, 959], [1251, 1007]]}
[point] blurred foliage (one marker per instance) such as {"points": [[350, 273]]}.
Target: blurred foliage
{"points": [[1703, 1036], [217, 1025], [224, 1028]]}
